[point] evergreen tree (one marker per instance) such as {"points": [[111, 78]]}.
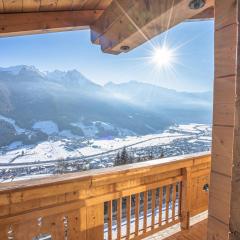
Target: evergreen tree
{"points": [[61, 166], [118, 159], [124, 156]]}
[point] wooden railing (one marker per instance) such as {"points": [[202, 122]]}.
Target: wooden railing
{"points": [[127, 202]]}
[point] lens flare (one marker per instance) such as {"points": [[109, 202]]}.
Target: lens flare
{"points": [[163, 56]]}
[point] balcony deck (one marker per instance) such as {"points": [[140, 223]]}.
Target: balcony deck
{"points": [[197, 231]]}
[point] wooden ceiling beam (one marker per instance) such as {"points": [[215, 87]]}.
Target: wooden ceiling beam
{"points": [[125, 24], [204, 15], [15, 24]]}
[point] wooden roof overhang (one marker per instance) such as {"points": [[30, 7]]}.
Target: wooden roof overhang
{"points": [[117, 25]]}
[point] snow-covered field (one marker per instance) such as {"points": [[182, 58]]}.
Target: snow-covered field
{"points": [[61, 149], [98, 153]]}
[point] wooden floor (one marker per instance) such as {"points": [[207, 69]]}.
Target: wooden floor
{"points": [[197, 232]]}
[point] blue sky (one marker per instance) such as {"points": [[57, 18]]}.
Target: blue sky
{"points": [[192, 70]]}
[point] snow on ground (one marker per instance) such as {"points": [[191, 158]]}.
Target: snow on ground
{"points": [[191, 128], [53, 150], [26, 177], [93, 128], [13, 123], [90, 130], [76, 148], [48, 127]]}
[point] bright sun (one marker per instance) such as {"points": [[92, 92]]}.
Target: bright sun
{"points": [[163, 56]]}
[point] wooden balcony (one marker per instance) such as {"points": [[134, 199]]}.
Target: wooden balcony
{"points": [[128, 202]]}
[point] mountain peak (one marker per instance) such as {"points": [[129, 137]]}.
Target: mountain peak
{"points": [[21, 69]]}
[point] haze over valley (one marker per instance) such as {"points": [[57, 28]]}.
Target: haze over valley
{"points": [[51, 116]]}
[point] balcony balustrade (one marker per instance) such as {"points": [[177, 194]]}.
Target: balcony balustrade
{"points": [[127, 202]]}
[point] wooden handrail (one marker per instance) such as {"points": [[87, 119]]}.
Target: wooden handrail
{"points": [[141, 198]]}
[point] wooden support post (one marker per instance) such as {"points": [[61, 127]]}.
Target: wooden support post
{"points": [[224, 204], [83, 223], [95, 222], [186, 199]]}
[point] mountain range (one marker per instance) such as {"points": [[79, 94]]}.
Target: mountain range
{"points": [[66, 103]]}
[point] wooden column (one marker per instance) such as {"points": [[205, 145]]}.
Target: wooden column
{"points": [[224, 205]]}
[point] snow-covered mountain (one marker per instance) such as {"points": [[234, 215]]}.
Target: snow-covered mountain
{"points": [[59, 103]]}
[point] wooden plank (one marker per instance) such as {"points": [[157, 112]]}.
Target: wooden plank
{"points": [[48, 5], [225, 13], [128, 216], [40, 22], [1, 6], [99, 177], [12, 6], [174, 201], [179, 199], [95, 222], [167, 201], [222, 149], [186, 199], [77, 4], [31, 5], [137, 202], [219, 205], [160, 206], [63, 197], [83, 223], [225, 51], [64, 5], [217, 230], [204, 15], [130, 29], [91, 4], [145, 210], [153, 208], [103, 4], [73, 230], [110, 220], [119, 218], [197, 232]]}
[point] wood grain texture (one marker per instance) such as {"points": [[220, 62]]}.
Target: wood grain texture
{"points": [[80, 198], [110, 220], [137, 202], [31, 5], [13, 5], [32, 23], [122, 25], [119, 218], [224, 204]]}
